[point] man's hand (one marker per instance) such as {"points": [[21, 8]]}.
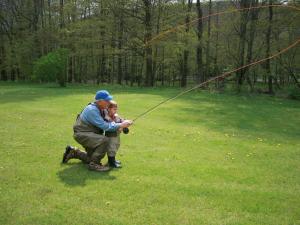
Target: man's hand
{"points": [[126, 123]]}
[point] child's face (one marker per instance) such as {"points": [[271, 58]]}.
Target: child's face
{"points": [[113, 110]]}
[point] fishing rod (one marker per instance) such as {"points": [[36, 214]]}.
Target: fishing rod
{"points": [[223, 75]]}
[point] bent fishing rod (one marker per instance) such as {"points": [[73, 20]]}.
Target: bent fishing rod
{"points": [[223, 75]]}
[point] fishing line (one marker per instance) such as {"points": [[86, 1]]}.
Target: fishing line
{"points": [[223, 75], [218, 77]]}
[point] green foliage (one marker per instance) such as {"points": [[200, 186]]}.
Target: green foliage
{"points": [[294, 93], [52, 66], [106, 38]]}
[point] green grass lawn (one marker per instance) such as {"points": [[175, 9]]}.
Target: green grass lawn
{"points": [[204, 158]]}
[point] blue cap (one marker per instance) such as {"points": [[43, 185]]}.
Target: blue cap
{"points": [[103, 95]]}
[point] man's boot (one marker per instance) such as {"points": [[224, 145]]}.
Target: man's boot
{"points": [[74, 153], [98, 167], [112, 162]]}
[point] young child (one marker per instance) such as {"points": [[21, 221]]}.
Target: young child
{"points": [[114, 138], [112, 112]]}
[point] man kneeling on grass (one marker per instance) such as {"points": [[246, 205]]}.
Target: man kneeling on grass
{"points": [[92, 131]]}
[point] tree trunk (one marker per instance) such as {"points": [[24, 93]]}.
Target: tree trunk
{"points": [[200, 74], [42, 13], [242, 44], [208, 41], [149, 80], [156, 48], [254, 17], [49, 13], [35, 21], [120, 43], [132, 69], [184, 75], [103, 61], [268, 40], [216, 67], [126, 69], [61, 12], [102, 45]]}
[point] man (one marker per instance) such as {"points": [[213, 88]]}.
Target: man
{"points": [[89, 131]]}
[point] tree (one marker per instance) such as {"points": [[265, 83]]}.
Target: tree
{"points": [[138, 42]]}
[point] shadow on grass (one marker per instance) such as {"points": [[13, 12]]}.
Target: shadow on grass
{"points": [[77, 174], [255, 115], [14, 93]]}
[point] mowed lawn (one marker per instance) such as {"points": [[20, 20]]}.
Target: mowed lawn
{"points": [[204, 158]]}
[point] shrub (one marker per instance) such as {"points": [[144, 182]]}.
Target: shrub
{"points": [[52, 67]]}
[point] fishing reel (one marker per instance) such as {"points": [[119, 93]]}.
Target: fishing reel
{"points": [[125, 130]]}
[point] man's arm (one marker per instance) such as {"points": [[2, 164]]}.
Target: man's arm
{"points": [[93, 117]]}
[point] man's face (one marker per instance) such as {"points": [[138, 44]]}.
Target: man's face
{"points": [[103, 104]]}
